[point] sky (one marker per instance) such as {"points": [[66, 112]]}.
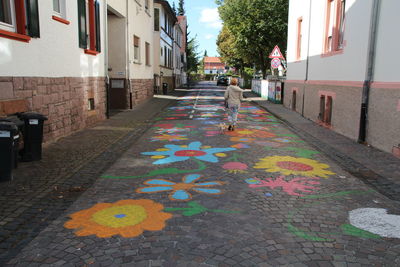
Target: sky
{"points": [[204, 23]]}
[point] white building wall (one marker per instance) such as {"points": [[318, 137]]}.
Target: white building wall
{"points": [[141, 24], [118, 6], [387, 51], [297, 68], [350, 65], [56, 53]]}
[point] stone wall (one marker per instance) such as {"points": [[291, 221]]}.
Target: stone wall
{"points": [[63, 100], [142, 89], [383, 127]]}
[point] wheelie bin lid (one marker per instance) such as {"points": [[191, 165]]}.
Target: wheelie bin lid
{"points": [[15, 120], [9, 127], [32, 115]]}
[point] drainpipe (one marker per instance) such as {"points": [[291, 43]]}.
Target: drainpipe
{"points": [[107, 79], [128, 70], [369, 71], [307, 60]]}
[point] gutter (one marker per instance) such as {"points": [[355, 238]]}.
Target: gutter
{"points": [[107, 78], [128, 70], [369, 71], [307, 60]]}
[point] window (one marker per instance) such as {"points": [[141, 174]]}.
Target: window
{"points": [[7, 15], [147, 53], [89, 22], [341, 23], [165, 56], [325, 109], [57, 6], [299, 37], [335, 18], [156, 19], [321, 115], [331, 18], [136, 48], [19, 19], [91, 104]]}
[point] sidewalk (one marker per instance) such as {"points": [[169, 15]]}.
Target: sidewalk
{"points": [[376, 168], [43, 190]]}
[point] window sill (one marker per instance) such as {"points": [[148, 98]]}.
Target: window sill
{"points": [[332, 53], [61, 20], [137, 62], [15, 36], [91, 52], [325, 125]]}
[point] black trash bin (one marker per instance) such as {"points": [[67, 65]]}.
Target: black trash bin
{"points": [[33, 135], [17, 140], [8, 137], [165, 88]]}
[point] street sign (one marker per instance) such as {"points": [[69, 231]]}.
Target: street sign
{"points": [[276, 53], [275, 63]]}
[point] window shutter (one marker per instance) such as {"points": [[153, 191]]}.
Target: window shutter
{"points": [[97, 16], [32, 11], [82, 24], [156, 19]]}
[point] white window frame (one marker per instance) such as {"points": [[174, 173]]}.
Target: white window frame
{"points": [[13, 26], [136, 51], [62, 13], [332, 13]]}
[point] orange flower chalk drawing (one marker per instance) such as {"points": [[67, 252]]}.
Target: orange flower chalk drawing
{"points": [[127, 218]]}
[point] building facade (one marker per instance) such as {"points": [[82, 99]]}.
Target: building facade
{"points": [[182, 21], [130, 52], [213, 65], [338, 73], [164, 22], [52, 62], [178, 65]]}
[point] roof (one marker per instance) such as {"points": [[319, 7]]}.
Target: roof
{"points": [[212, 60], [166, 5]]}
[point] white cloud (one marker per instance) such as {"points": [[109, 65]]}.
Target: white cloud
{"points": [[208, 36], [210, 17]]}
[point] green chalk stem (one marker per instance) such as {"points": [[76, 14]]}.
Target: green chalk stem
{"points": [[201, 167], [195, 208], [346, 228]]}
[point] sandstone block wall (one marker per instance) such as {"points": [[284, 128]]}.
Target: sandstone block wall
{"points": [[142, 89], [63, 100]]}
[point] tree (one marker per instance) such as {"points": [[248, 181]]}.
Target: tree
{"points": [[192, 55], [181, 8], [227, 50], [257, 26], [205, 53], [174, 8]]}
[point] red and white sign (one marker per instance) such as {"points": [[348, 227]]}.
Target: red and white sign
{"points": [[276, 53], [275, 63]]}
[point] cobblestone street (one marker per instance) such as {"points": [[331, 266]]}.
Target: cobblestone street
{"points": [[174, 188]]}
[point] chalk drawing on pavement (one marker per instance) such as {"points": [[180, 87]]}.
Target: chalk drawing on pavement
{"points": [[127, 218], [181, 191], [193, 208]]}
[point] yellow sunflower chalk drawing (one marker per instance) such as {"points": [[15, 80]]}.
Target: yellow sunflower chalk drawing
{"points": [[297, 166]]}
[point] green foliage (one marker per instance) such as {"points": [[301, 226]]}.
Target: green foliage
{"points": [[181, 8], [192, 55], [251, 30], [174, 8]]}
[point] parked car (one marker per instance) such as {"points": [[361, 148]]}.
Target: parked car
{"points": [[222, 80]]}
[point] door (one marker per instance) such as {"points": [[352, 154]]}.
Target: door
{"points": [[118, 94], [294, 100]]}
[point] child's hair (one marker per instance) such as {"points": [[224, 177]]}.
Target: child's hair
{"points": [[234, 81]]}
